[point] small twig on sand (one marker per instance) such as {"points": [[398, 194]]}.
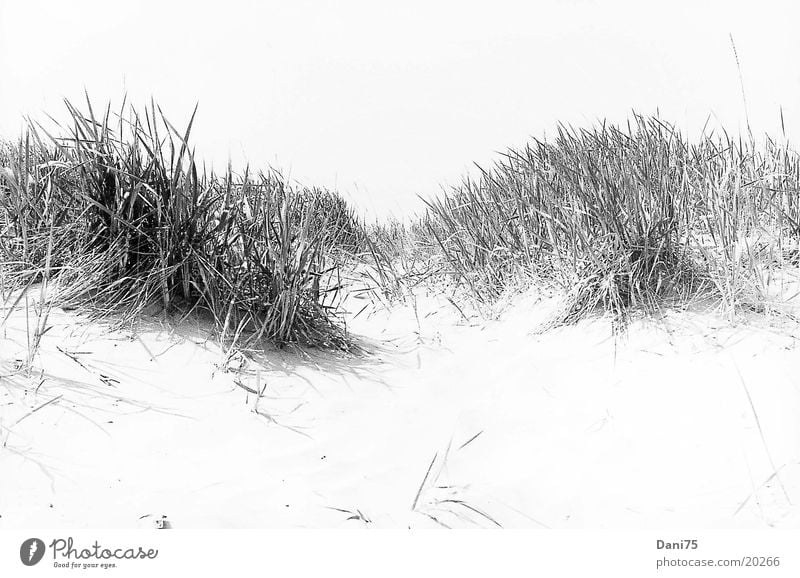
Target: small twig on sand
{"points": [[425, 479], [761, 433], [244, 387], [37, 408], [453, 303], [470, 440]]}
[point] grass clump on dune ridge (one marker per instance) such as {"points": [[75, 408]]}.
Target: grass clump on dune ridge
{"points": [[115, 214], [623, 218], [130, 221]]}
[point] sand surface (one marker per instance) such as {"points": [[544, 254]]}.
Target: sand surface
{"points": [[685, 421]]}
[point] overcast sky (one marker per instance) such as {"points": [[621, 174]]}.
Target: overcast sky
{"points": [[386, 101]]}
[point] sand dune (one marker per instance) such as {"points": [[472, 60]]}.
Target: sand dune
{"points": [[684, 421]]}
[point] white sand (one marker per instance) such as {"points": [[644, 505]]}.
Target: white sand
{"points": [[577, 430]]}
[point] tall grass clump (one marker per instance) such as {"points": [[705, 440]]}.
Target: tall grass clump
{"points": [[135, 223], [620, 217]]}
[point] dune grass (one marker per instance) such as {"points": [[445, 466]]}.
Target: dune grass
{"points": [[112, 213], [625, 218], [117, 213]]}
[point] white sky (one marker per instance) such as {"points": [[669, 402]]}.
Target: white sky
{"points": [[386, 101]]}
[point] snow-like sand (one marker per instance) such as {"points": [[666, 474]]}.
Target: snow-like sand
{"points": [[686, 421]]}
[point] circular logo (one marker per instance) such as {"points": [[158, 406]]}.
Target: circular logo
{"points": [[31, 551]]}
